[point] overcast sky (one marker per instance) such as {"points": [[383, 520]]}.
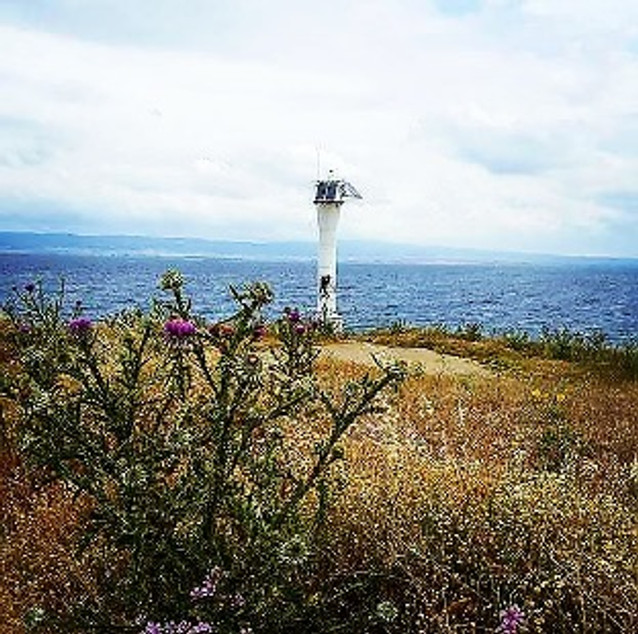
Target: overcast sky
{"points": [[509, 124]]}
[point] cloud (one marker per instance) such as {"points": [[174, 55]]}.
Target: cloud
{"points": [[457, 7], [625, 201], [499, 123], [24, 143]]}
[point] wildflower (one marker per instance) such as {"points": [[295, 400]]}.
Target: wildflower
{"points": [[209, 585], [511, 619], [252, 363], [179, 329], [153, 628], [80, 326], [300, 329], [259, 331], [292, 314], [221, 331], [30, 288]]}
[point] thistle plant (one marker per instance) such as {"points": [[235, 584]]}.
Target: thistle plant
{"points": [[297, 336], [176, 434]]}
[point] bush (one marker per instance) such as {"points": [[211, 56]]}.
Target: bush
{"points": [[177, 437]]}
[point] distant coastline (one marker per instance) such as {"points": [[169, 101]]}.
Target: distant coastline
{"points": [[349, 250]]}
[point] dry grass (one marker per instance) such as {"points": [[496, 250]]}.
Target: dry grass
{"points": [[464, 495], [38, 568], [521, 486]]}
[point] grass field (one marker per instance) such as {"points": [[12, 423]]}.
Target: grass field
{"points": [[479, 493], [492, 502]]}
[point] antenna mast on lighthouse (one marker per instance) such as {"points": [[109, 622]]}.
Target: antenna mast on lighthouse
{"points": [[330, 194]]}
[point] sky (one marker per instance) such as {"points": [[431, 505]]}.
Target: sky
{"points": [[491, 124]]}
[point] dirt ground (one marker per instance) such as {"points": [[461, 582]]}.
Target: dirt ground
{"points": [[427, 361]]}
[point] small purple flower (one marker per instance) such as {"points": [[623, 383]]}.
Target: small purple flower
{"points": [[179, 329], [300, 329], [30, 288], [293, 315], [511, 619], [80, 326], [183, 627], [209, 585]]}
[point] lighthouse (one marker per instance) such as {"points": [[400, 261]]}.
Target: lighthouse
{"points": [[330, 194]]}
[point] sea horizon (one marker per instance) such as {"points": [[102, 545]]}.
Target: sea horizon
{"points": [[581, 295]]}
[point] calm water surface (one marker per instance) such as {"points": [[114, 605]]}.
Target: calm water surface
{"points": [[582, 297]]}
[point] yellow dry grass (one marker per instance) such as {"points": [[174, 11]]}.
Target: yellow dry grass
{"points": [[550, 453], [445, 442]]}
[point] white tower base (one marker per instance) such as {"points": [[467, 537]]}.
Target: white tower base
{"points": [[328, 218]]}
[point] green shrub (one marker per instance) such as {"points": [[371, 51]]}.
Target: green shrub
{"points": [[470, 331], [176, 433]]}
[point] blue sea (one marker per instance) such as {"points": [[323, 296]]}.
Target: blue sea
{"points": [[581, 296]]}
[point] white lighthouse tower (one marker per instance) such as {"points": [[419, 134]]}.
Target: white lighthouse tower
{"points": [[330, 194]]}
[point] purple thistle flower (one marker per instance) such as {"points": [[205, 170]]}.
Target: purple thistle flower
{"points": [[179, 329], [300, 329], [293, 315], [511, 619], [80, 326], [30, 288]]}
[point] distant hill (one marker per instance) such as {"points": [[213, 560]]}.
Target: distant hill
{"points": [[27, 242], [349, 250]]}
